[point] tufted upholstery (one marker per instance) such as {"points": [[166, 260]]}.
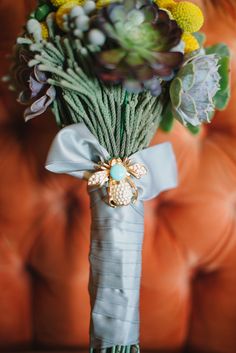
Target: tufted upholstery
{"points": [[188, 296]]}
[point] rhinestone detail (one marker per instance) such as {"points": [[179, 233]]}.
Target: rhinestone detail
{"points": [[98, 178], [121, 193], [138, 170]]}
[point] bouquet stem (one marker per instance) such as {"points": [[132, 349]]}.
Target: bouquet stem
{"points": [[118, 349]]}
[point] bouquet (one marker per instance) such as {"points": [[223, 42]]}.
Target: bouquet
{"points": [[113, 72]]}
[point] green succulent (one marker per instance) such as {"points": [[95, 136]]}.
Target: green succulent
{"points": [[140, 45], [193, 90]]}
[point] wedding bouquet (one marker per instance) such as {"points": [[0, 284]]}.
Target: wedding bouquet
{"points": [[113, 72]]}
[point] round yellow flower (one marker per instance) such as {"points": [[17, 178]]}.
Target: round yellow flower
{"points": [[166, 4], [58, 3], [44, 29], [191, 42], [188, 16], [102, 3], [65, 9]]}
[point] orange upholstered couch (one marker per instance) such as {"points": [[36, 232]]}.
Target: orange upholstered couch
{"points": [[188, 296]]}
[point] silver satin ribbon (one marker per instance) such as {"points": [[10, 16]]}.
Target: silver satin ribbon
{"points": [[116, 234]]}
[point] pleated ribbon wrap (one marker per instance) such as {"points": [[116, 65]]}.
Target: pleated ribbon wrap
{"points": [[116, 233]]}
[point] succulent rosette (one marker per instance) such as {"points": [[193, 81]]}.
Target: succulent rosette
{"points": [[140, 45], [194, 88], [31, 84], [40, 94]]}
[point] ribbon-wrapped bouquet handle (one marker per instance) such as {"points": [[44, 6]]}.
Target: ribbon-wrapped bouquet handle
{"points": [[117, 229]]}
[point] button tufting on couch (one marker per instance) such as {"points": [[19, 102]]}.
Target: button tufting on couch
{"points": [[188, 296]]}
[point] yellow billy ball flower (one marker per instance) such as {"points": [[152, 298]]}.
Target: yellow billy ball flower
{"points": [[102, 3], [191, 42], [58, 3], [44, 29], [65, 9], [166, 4], [188, 16]]}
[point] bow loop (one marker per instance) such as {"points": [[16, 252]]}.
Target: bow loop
{"points": [[75, 151]]}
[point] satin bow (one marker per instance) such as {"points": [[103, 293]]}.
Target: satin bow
{"points": [[76, 151]]}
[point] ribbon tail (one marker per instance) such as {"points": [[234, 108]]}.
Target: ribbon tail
{"points": [[161, 170]]}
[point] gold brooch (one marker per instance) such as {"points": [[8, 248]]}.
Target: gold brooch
{"points": [[121, 189]]}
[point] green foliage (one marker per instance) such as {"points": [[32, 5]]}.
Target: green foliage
{"points": [[176, 90], [221, 49], [42, 11], [222, 97], [167, 121], [193, 129], [201, 38]]}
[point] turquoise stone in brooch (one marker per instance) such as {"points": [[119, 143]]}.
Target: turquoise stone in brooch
{"points": [[118, 172]]}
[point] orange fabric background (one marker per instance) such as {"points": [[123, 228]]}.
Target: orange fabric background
{"points": [[188, 296]]}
